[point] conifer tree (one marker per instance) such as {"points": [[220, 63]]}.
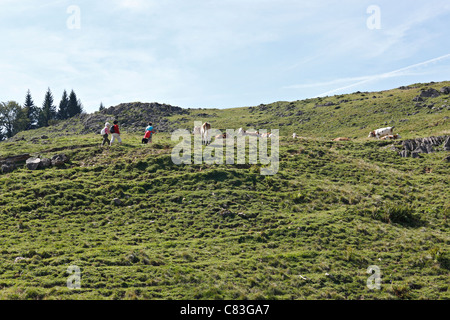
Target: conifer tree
{"points": [[75, 106], [63, 111], [31, 111], [48, 111]]}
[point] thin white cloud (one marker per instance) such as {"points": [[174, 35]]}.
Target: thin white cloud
{"points": [[395, 73]]}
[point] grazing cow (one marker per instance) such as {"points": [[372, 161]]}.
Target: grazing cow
{"points": [[379, 133], [206, 139], [341, 139], [221, 136], [242, 132], [253, 134], [196, 130], [391, 137]]}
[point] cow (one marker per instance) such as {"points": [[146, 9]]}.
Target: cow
{"points": [[206, 139], [294, 136], [379, 133], [221, 136], [253, 134], [196, 130], [242, 132], [341, 139], [391, 137]]}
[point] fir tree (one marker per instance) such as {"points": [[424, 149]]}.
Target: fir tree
{"points": [[31, 111], [75, 106], [63, 111], [48, 111]]}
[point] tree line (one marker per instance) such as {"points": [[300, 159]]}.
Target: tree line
{"points": [[15, 118]]}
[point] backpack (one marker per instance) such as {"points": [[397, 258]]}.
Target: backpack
{"points": [[112, 129]]}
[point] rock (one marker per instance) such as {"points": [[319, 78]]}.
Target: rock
{"points": [[18, 259], [44, 137], [45, 163], [447, 144], [226, 213], [404, 154], [447, 159], [33, 163], [7, 168], [430, 93], [117, 201], [445, 90], [415, 155], [417, 99], [59, 160]]}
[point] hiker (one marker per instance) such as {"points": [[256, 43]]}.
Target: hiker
{"points": [[148, 134], [105, 132], [115, 133]]}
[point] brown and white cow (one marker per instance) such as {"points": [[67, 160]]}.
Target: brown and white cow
{"points": [[206, 139]]}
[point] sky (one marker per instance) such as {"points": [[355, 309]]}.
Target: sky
{"points": [[218, 53]]}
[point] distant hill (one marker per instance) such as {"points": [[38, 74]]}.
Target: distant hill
{"points": [[416, 110]]}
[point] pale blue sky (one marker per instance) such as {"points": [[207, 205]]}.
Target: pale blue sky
{"points": [[227, 53]]}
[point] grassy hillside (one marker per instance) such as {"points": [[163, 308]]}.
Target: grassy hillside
{"points": [[140, 227]]}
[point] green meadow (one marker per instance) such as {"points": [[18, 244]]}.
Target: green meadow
{"points": [[140, 227]]}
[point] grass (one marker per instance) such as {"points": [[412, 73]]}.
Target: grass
{"points": [[225, 231]]}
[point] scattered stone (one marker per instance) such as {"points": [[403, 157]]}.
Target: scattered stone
{"points": [[430, 93], [7, 168], [18, 259], [33, 163], [445, 90], [117, 201], [59, 160], [45, 163]]}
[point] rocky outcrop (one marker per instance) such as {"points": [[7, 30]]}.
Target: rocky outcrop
{"points": [[43, 163], [430, 93], [415, 147], [132, 117], [445, 90]]}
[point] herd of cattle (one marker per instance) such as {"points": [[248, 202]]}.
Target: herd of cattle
{"points": [[382, 134], [204, 131]]}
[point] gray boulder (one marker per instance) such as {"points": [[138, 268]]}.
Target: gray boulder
{"points": [[59, 160], [33, 163], [45, 163], [430, 93], [7, 168], [445, 90]]}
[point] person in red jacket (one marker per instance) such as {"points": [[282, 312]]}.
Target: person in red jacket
{"points": [[115, 132]]}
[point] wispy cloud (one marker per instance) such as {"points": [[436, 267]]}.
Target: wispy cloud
{"points": [[395, 73]]}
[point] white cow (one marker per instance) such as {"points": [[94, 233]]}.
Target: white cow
{"points": [[379, 133]]}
